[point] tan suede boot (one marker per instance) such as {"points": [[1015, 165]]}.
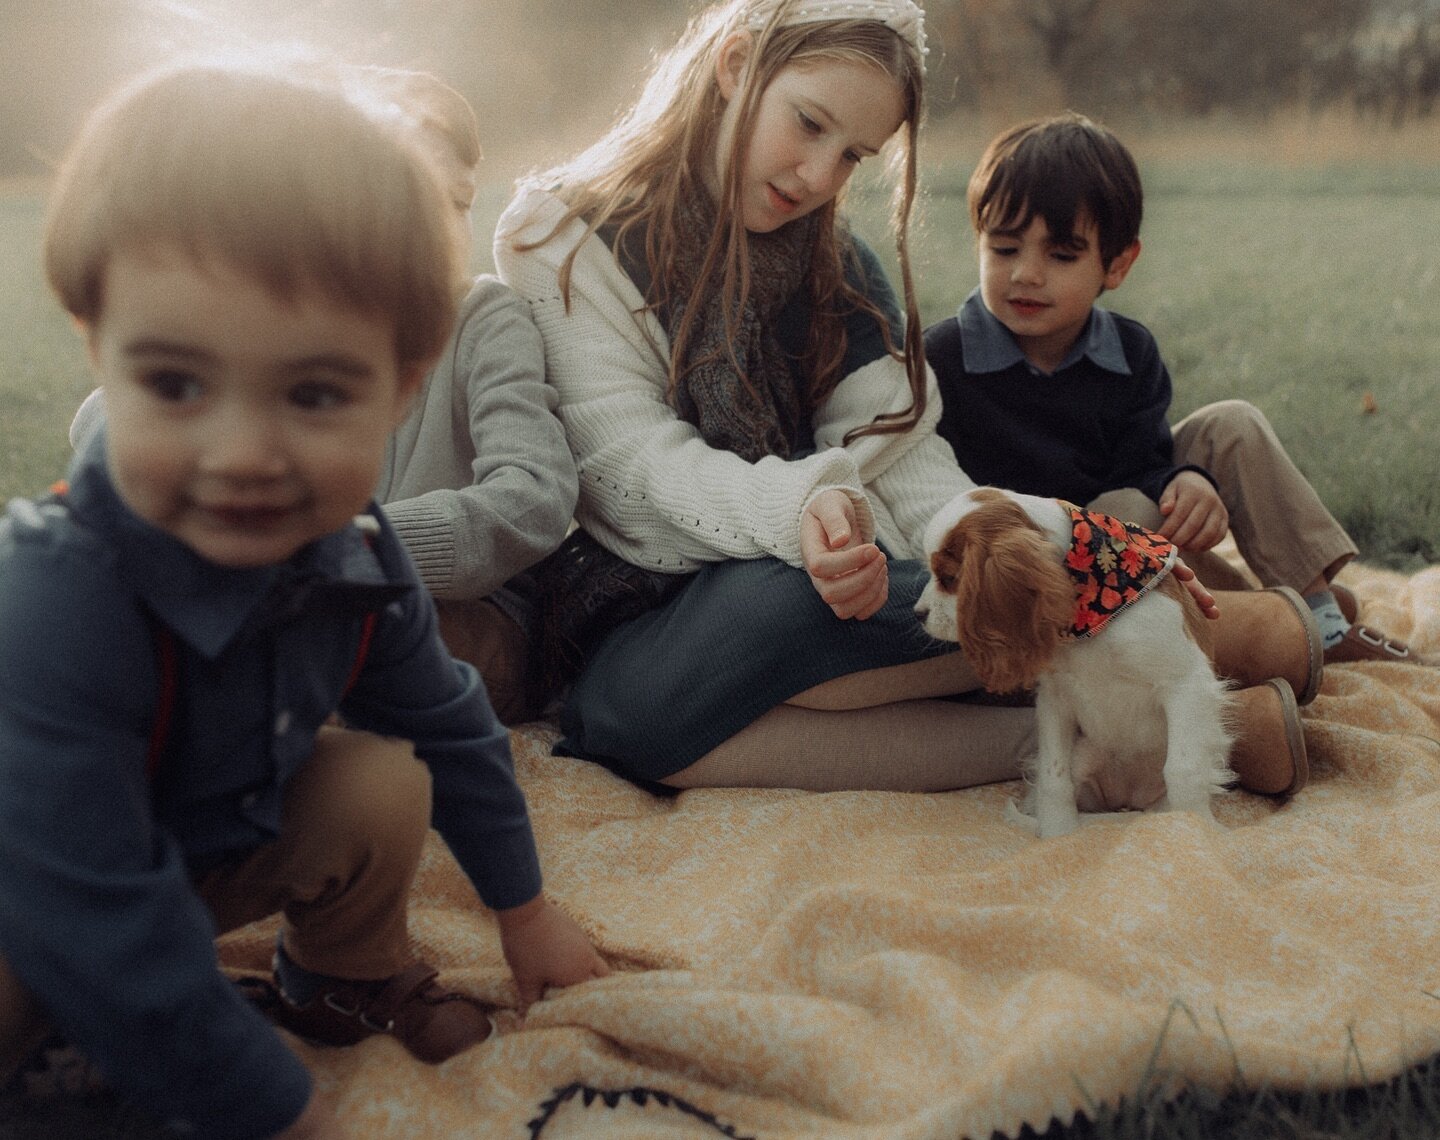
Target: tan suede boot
{"points": [[1267, 633], [1268, 755]]}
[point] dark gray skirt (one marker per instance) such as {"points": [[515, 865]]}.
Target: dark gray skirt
{"points": [[740, 638]]}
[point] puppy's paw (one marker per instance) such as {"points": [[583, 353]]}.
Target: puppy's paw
{"points": [[1014, 815]]}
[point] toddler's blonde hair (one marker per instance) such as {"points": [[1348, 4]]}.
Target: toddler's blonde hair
{"points": [[281, 177]]}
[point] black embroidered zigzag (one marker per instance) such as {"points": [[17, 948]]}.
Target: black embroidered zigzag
{"points": [[639, 1095]]}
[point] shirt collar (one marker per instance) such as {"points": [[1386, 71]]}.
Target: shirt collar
{"points": [[988, 346], [208, 605]]}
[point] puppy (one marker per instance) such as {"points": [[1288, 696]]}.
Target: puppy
{"points": [[1084, 608]]}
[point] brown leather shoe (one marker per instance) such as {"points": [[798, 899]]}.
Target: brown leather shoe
{"points": [[434, 1024], [1364, 643]]}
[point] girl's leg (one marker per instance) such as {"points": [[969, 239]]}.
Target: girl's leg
{"points": [[904, 746]]}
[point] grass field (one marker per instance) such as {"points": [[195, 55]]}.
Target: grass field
{"points": [[1309, 290]]}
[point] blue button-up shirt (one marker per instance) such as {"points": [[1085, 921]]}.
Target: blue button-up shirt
{"points": [[1097, 423], [98, 917]]}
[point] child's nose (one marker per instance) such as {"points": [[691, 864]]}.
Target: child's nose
{"points": [[244, 446], [1029, 269], [823, 175]]}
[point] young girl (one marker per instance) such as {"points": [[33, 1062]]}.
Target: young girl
{"points": [[754, 427]]}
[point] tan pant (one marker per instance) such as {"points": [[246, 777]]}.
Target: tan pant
{"points": [[354, 822], [481, 633], [1280, 526]]}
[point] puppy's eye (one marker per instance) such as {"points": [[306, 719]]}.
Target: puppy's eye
{"points": [[946, 582]]}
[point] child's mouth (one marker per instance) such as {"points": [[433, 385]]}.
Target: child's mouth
{"points": [[781, 201], [1026, 307]]}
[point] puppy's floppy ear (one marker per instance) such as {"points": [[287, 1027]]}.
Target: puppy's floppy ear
{"points": [[1013, 599]]}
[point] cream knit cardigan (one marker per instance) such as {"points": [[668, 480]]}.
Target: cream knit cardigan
{"points": [[651, 489]]}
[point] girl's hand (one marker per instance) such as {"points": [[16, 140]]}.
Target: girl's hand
{"points": [[1203, 597], [851, 576], [1195, 518], [545, 947]]}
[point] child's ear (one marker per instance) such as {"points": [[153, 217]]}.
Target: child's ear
{"points": [[730, 63], [1120, 265]]}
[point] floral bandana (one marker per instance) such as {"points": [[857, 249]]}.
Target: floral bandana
{"points": [[1113, 563]]}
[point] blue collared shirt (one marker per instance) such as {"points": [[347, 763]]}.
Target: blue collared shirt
{"points": [[1097, 423], [97, 914]]}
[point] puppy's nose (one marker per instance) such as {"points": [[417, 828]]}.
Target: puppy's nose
{"points": [[922, 609]]}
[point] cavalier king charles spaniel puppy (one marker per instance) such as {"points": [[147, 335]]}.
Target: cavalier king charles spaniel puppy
{"points": [[1082, 607]]}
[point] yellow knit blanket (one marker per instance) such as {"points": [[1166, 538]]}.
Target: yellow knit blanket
{"points": [[911, 966]]}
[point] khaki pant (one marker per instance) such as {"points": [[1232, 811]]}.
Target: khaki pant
{"points": [[1279, 524], [481, 633], [354, 823]]}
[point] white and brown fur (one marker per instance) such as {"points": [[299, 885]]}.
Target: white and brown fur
{"points": [[1132, 716]]}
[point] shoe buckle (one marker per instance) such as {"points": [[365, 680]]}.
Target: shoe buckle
{"points": [[342, 1008], [1381, 642], [353, 1009]]}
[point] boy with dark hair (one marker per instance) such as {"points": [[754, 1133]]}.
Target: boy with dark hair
{"points": [[263, 274], [1048, 394]]}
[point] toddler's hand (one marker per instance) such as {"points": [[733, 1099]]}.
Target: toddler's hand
{"points": [[851, 576], [1195, 518], [545, 947]]}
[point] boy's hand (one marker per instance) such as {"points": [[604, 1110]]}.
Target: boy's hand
{"points": [[852, 577], [1195, 518], [545, 948]]}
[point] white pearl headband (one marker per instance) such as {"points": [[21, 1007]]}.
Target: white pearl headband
{"points": [[903, 17]]}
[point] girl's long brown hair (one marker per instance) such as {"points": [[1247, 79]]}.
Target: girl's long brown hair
{"points": [[659, 153]]}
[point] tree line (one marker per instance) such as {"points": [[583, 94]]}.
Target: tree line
{"points": [[546, 69]]}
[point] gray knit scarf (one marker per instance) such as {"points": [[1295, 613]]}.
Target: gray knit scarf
{"points": [[760, 407]]}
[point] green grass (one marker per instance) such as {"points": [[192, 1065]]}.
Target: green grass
{"points": [[43, 373], [1302, 289]]}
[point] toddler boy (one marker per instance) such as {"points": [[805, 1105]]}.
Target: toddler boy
{"points": [[1048, 394], [478, 480], [263, 275]]}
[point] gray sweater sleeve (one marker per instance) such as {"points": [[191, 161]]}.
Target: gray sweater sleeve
{"points": [[481, 484]]}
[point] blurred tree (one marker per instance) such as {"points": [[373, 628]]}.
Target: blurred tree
{"points": [[547, 75]]}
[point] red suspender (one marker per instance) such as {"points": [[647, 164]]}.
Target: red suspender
{"points": [[367, 631], [165, 703]]}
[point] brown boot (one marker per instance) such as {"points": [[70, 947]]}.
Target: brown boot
{"points": [[1268, 633], [1268, 755], [433, 1023]]}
